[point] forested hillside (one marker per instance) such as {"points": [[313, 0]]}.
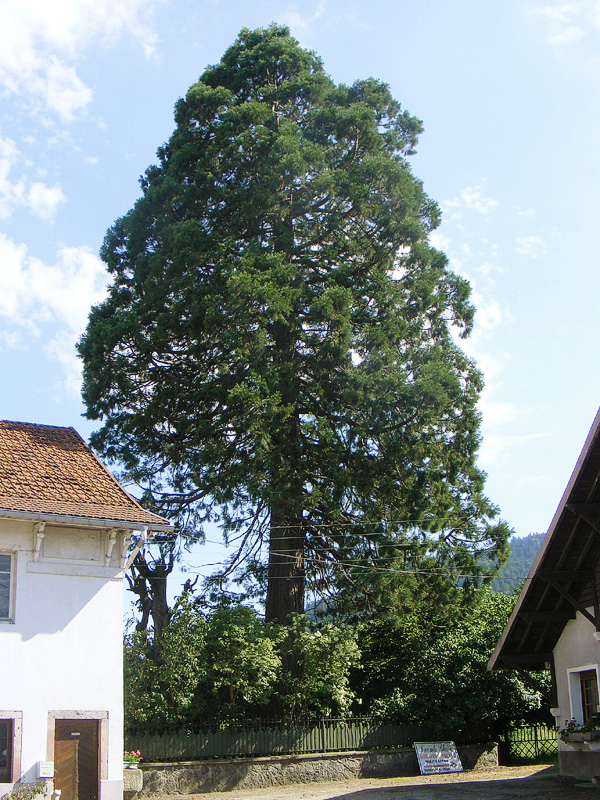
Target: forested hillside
{"points": [[522, 555]]}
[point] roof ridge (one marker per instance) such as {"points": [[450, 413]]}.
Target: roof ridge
{"points": [[52, 466], [41, 425]]}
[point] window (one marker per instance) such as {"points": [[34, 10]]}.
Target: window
{"points": [[11, 726], [589, 693], [583, 692], [5, 585], [6, 737]]}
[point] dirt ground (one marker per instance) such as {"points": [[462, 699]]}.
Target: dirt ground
{"points": [[505, 783]]}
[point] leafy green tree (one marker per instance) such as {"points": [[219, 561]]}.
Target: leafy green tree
{"points": [[327, 654], [225, 666], [243, 658], [277, 351], [161, 688], [438, 676]]}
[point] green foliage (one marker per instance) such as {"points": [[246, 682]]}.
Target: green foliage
{"points": [[160, 687], [326, 654], [242, 657], [277, 349], [226, 665], [439, 677], [25, 791]]}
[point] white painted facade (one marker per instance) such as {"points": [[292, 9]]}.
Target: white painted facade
{"points": [[61, 650], [577, 651]]}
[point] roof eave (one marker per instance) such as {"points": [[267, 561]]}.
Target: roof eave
{"points": [[585, 451], [89, 522]]}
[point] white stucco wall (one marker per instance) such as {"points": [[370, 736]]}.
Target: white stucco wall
{"points": [[63, 649], [577, 650]]}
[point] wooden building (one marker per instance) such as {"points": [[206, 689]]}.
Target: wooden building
{"points": [[555, 625]]}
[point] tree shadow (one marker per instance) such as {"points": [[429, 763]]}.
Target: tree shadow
{"points": [[543, 785]]}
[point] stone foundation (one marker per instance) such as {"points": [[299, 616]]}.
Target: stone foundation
{"points": [[195, 777], [133, 781], [579, 762]]}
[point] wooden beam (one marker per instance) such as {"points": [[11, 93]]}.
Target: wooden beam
{"points": [[596, 588], [565, 576], [570, 599], [547, 616], [554, 685], [590, 512], [589, 508], [527, 658]]}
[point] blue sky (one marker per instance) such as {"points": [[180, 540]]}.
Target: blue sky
{"points": [[509, 96]]}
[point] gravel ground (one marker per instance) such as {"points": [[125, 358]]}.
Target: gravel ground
{"points": [[505, 783]]}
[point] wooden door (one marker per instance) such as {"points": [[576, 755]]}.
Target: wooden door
{"points": [[76, 759]]}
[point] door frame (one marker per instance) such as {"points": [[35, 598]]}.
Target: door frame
{"points": [[101, 717]]}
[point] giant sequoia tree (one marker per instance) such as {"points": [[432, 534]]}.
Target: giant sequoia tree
{"points": [[276, 351]]}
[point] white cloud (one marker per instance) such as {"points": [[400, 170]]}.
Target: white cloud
{"points": [[440, 241], [486, 269], [8, 340], [53, 299], [472, 197], [568, 23], [44, 200], [65, 92], [489, 314], [465, 259], [497, 447], [36, 197], [531, 246], [300, 22], [61, 350], [40, 43]]}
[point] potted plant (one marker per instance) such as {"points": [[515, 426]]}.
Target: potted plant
{"points": [[572, 732], [131, 759]]}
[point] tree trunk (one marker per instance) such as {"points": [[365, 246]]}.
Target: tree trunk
{"points": [[161, 613], [149, 582], [285, 587], [285, 594]]}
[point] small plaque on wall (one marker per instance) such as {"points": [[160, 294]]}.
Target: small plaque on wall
{"points": [[45, 769]]}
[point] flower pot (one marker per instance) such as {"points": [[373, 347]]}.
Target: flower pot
{"points": [[582, 736]]}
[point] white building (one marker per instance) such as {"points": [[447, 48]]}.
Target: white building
{"points": [[556, 621], [65, 530]]}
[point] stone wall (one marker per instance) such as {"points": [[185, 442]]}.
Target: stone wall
{"points": [[579, 763], [193, 777], [133, 782]]}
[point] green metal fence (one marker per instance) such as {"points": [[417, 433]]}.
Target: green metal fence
{"points": [[264, 739], [533, 743]]}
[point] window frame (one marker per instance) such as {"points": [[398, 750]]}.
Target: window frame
{"points": [[15, 725], [589, 694], [575, 689], [6, 771], [9, 620]]}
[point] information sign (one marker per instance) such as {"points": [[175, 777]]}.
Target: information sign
{"points": [[436, 757]]}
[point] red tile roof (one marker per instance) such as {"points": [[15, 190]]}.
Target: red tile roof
{"points": [[50, 470]]}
